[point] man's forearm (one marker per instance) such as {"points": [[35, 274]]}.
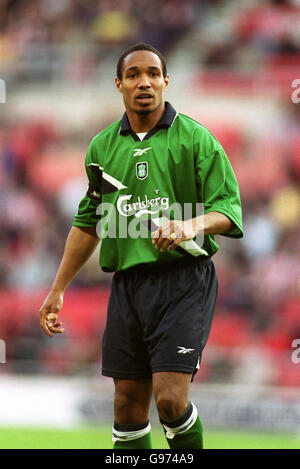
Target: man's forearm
{"points": [[80, 245], [212, 223]]}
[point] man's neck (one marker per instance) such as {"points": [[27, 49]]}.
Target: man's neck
{"points": [[145, 122]]}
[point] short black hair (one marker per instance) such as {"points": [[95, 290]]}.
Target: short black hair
{"points": [[140, 46]]}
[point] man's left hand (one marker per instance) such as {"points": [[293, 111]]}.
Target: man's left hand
{"points": [[171, 234]]}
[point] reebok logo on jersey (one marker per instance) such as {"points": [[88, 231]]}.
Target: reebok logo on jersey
{"points": [[184, 350], [140, 151]]}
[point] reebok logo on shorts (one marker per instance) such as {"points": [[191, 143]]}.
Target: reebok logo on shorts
{"points": [[184, 350]]}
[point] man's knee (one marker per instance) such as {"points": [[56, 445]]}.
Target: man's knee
{"points": [[171, 392], [130, 404], [170, 404], [123, 400]]}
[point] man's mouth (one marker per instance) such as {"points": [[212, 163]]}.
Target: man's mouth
{"points": [[144, 98]]}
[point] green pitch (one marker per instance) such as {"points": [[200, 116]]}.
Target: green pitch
{"points": [[100, 438]]}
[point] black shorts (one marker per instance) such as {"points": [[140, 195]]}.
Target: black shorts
{"points": [[159, 319]]}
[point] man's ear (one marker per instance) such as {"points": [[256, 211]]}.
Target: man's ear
{"points": [[166, 80], [118, 84]]}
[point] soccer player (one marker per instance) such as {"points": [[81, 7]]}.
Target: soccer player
{"points": [[164, 288]]}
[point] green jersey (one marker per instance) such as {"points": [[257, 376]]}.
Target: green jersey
{"points": [[133, 183]]}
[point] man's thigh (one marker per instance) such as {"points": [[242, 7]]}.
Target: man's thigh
{"points": [[159, 322], [124, 353], [176, 312]]}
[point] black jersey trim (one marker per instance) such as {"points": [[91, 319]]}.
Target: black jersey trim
{"points": [[165, 122]]}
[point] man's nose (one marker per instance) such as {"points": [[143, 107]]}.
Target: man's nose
{"points": [[144, 82]]}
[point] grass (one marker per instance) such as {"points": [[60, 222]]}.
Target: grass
{"points": [[100, 438]]}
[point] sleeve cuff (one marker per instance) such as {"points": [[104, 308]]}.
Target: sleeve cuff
{"points": [[236, 231]]}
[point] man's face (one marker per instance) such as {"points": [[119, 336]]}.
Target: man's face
{"points": [[142, 84]]}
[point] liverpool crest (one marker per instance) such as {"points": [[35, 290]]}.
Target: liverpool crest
{"points": [[142, 170]]}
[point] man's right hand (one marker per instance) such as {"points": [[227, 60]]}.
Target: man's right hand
{"points": [[80, 245], [49, 312]]}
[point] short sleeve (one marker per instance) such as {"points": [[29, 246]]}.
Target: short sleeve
{"points": [[86, 214], [218, 187]]}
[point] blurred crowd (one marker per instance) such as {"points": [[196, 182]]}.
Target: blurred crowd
{"points": [[259, 296], [80, 34], [251, 33], [38, 37]]}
